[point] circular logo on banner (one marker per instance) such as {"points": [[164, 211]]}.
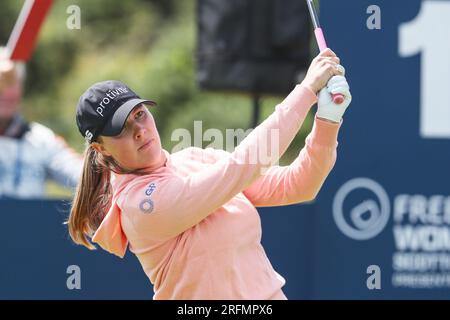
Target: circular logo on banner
{"points": [[368, 216]]}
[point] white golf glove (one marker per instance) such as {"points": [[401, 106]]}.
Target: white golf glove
{"points": [[326, 108]]}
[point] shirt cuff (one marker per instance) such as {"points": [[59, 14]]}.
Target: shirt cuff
{"points": [[325, 133]]}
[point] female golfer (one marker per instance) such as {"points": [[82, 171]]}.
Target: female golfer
{"points": [[190, 216]]}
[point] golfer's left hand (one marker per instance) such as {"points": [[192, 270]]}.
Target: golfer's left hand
{"points": [[326, 108]]}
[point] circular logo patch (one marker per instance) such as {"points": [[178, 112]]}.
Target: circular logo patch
{"points": [[146, 206]]}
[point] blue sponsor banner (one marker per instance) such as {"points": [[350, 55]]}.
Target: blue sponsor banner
{"points": [[383, 223], [39, 261]]}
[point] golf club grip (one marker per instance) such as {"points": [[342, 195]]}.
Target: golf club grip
{"points": [[320, 38]]}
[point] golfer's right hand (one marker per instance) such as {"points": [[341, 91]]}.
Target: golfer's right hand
{"points": [[322, 68]]}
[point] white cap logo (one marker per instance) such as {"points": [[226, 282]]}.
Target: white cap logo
{"points": [[88, 135]]}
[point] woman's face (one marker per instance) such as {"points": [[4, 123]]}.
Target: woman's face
{"points": [[138, 146]]}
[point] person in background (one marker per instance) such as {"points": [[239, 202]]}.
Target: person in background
{"points": [[30, 152]]}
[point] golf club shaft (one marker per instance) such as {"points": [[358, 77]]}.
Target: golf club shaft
{"points": [[320, 38]]}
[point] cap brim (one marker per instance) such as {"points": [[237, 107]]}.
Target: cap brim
{"points": [[116, 123]]}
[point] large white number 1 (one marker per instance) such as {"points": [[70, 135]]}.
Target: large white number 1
{"points": [[429, 34]]}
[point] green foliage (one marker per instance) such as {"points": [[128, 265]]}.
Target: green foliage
{"points": [[8, 15], [149, 45]]}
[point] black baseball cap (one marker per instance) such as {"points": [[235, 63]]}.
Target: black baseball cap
{"points": [[104, 108]]}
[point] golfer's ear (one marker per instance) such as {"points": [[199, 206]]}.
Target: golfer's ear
{"points": [[100, 148]]}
